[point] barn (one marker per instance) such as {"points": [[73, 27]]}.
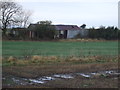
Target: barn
{"points": [[64, 31], [68, 31]]}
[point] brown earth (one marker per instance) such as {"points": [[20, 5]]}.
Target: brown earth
{"points": [[35, 71]]}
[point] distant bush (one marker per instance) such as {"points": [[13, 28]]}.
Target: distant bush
{"points": [[109, 33]]}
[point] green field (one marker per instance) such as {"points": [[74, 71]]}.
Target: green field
{"points": [[51, 64], [26, 48]]}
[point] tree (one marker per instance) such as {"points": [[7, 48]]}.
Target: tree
{"points": [[44, 22], [45, 30], [83, 26], [24, 18], [12, 14], [109, 33], [8, 13]]}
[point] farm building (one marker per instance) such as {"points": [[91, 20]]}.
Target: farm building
{"points": [[64, 31], [70, 31]]}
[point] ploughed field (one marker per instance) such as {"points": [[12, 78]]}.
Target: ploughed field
{"points": [[27, 48], [60, 64]]}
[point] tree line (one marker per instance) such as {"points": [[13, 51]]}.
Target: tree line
{"points": [[109, 33]]}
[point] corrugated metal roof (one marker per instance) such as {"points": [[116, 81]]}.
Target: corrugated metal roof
{"points": [[67, 27], [58, 27]]}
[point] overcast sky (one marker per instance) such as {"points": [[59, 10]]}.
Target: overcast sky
{"points": [[76, 12]]}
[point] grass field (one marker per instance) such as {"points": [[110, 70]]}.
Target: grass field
{"points": [[26, 48], [47, 58]]}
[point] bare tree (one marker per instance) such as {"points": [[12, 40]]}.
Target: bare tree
{"points": [[12, 14], [24, 18], [8, 13]]}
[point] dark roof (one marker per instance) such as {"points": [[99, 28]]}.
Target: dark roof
{"points": [[32, 26], [19, 29], [67, 27], [58, 27]]}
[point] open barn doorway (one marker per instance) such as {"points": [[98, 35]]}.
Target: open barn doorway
{"points": [[65, 34]]}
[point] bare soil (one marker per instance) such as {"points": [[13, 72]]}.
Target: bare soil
{"points": [[77, 82]]}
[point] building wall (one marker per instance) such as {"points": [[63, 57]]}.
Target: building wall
{"points": [[72, 33], [62, 32]]}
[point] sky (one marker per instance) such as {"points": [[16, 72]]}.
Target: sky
{"points": [[93, 13]]}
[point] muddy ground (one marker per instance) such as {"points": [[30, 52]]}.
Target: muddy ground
{"points": [[104, 75]]}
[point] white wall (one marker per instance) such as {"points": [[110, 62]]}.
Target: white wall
{"points": [[72, 33]]}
